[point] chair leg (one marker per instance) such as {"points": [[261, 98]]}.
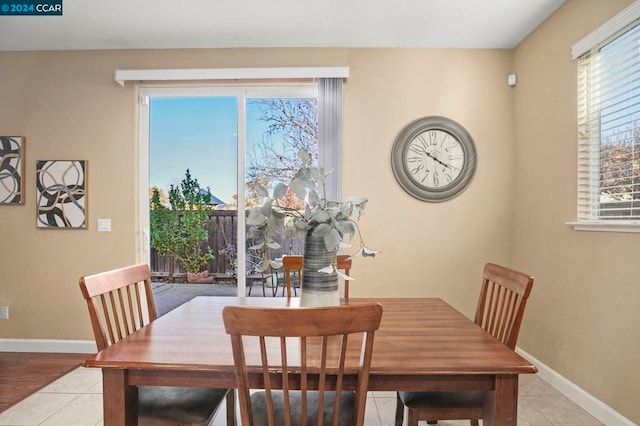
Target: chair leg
{"points": [[231, 408], [399, 411], [474, 422]]}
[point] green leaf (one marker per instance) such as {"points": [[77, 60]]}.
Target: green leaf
{"points": [[321, 230], [357, 200], [313, 197], [315, 173], [346, 227], [262, 191], [273, 245], [332, 239], [346, 209], [321, 216], [266, 208], [300, 224], [280, 191], [256, 218], [299, 189], [275, 225], [274, 264], [303, 155]]}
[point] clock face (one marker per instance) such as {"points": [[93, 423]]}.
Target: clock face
{"points": [[433, 158]]}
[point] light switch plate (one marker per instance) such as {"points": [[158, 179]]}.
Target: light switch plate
{"points": [[104, 225], [4, 312]]}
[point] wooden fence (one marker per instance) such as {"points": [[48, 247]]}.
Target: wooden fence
{"points": [[221, 227]]}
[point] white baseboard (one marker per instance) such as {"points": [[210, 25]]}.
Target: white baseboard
{"points": [[47, 345], [582, 398]]}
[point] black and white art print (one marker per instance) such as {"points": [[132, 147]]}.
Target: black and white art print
{"points": [[12, 170], [61, 194]]}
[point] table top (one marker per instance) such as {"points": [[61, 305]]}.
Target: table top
{"points": [[416, 337]]}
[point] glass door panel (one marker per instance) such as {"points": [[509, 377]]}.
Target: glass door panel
{"points": [[193, 153], [276, 129], [217, 143]]}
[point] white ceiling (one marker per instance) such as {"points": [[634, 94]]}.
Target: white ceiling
{"points": [[140, 24]]}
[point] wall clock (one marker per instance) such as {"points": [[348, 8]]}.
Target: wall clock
{"points": [[433, 158]]}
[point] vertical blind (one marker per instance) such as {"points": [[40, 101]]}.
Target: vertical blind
{"points": [[609, 129], [330, 132]]}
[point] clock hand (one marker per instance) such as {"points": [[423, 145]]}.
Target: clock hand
{"points": [[437, 160]]}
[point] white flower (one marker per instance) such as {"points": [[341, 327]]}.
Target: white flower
{"points": [[331, 269], [365, 252]]}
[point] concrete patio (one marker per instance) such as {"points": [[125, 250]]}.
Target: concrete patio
{"points": [[169, 296]]}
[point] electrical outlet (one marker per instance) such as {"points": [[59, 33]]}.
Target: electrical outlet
{"points": [[4, 312]]}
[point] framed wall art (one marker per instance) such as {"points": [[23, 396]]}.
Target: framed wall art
{"points": [[61, 187], [12, 170]]}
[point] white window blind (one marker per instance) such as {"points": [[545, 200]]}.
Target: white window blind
{"points": [[609, 129]]}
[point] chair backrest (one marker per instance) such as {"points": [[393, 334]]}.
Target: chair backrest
{"points": [[320, 335], [503, 297], [293, 263], [343, 262], [115, 302]]}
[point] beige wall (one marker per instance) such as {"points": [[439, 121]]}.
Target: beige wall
{"points": [[68, 107], [583, 318], [581, 315]]}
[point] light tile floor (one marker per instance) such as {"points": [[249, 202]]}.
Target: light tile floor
{"points": [[76, 400]]}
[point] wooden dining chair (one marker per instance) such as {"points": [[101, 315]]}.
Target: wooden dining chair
{"points": [[302, 364], [254, 273], [120, 302], [503, 296], [292, 267], [343, 263]]}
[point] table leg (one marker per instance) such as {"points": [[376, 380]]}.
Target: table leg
{"points": [[120, 401], [501, 406]]}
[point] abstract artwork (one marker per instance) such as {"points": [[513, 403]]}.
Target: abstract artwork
{"points": [[12, 169], [61, 194]]}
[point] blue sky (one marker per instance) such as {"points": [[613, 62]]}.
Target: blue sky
{"points": [[199, 134]]}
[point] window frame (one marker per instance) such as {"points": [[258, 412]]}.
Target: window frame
{"points": [[591, 45]]}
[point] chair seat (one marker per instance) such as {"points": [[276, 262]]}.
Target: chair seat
{"points": [[259, 407], [436, 399], [179, 404]]}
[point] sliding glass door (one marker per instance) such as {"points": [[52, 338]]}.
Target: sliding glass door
{"points": [[206, 149]]}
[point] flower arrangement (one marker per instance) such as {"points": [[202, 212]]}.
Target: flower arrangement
{"points": [[331, 220], [228, 252]]}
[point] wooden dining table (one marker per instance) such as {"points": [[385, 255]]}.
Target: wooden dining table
{"points": [[422, 344]]}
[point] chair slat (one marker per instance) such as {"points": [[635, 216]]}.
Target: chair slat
{"points": [[343, 357], [304, 406]]}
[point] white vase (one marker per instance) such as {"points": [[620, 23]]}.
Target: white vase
{"points": [[310, 298]]}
